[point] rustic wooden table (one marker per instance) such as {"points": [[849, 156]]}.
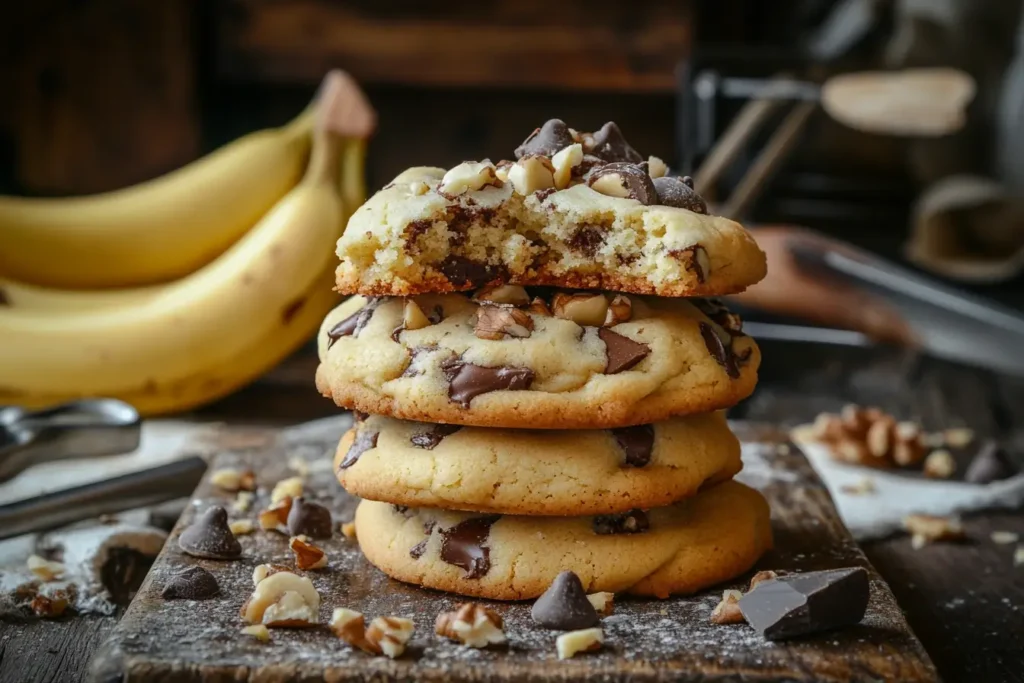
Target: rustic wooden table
{"points": [[964, 601]]}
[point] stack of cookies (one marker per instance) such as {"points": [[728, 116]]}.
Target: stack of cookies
{"points": [[538, 376]]}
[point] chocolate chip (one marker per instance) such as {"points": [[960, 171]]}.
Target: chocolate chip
{"points": [[632, 522], [195, 583], [364, 441], [609, 144], [716, 311], [463, 545], [355, 323], [564, 605], [210, 537], [553, 136], [541, 195], [631, 178], [416, 552], [430, 439], [679, 193], [622, 352], [401, 510], [637, 443], [990, 463], [587, 239], [719, 351], [467, 381], [307, 518], [462, 271], [694, 259], [810, 602]]}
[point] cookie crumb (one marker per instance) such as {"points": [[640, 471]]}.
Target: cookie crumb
{"points": [[930, 528], [348, 530], [240, 527], [939, 464], [1004, 537], [257, 631], [864, 486], [728, 610], [570, 644]]}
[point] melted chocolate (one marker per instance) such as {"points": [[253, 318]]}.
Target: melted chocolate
{"points": [[354, 324], [608, 143], [587, 239], [719, 351], [364, 441], [429, 440], [632, 522], [464, 545], [547, 140], [679, 193], [637, 443], [416, 552], [622, 352], [634, 180], [466, 381]]}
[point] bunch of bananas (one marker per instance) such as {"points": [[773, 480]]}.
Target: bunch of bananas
{"points": [[175, 292]]}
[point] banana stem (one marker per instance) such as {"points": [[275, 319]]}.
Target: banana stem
{"points": [[325, 159], [353, 174]]}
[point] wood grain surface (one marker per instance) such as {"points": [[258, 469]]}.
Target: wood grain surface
{"points": [[646, 640]]}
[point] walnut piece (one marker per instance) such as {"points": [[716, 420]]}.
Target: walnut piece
{"points": [[243, 501], [583, 309], [512, 295], [868, 436], [728, 610], [240, 527], [471, 624], [620, 310], [926, 529], [530, 174], [275, 518], [262, 571], [286, 488], [656, 168], [467, 176], [499, 322], [350, 626], [603, 603], [418, 188], [389, 635], [764, 575], [585, 640], [348, 530], [49, 606], [413, 317], [939, 464], [563, 162], [232, 480], [45, 569], [257, 631], [283, 600], [539, 307], [307, 555]]}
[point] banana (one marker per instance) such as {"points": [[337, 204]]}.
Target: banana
{"points": [[157, 231], [181, 344]]}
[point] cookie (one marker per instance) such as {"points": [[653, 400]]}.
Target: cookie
{"points": [[536, 472], [561, 361], [710, 538], [570, 212]]}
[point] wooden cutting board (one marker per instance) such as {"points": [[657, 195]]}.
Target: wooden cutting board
{"points": [[646, 640]]}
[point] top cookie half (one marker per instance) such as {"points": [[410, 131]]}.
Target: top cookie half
{"points": [[576, 210]]}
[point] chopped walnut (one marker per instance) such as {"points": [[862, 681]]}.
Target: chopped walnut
{"points": [[283, 600], [275, 518], [498, 322], [307, 555], [49, 607], [582, 308], [348, 530], [764, 575], [620, 310], [929, 528], [45, 569], [232, 480], [564, 162], [262, 571], [257, 631], [241, 527], [585, 640], [389, 635], [603, 603], [867, 436], [513, 295], [939, 464], [530, 174], [539, 307], [467, 176], [728, 610], [471, 624], [286, 488]]}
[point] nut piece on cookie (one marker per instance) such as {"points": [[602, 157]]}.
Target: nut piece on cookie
{"points": [[620, 310], [539, 307], [283, 600], [604, 603], [467, 176], [570, 644], [728, 610], [307, 555], [583, 309], [530, 174], [656, 167], [471, 624], [511, 295], [498, 322], [563, 163], [624, 180], [413, 317]]}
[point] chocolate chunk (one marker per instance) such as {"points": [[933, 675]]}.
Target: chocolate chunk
{"points": [[716, 311], [553, 136], [631, 178], [609, 144], [990, 463], [401, 510], [461, 271], [210, 537], [430, 439], [637, 443], [587, 239], [467, 381], [195, 583], [564, 605], [416, 552], [309, 519], [541, 195], [695, 259], [364, 441], [622, 352], [632, 522], [463, 545], [679, 193], [806, 603], [355, 323], [719, 351]]}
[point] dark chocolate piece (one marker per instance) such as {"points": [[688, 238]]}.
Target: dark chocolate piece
{"points": [[990, 463], [307, 518], [679, 192], [632, 177], [195, 583], [547, 140], [637, 443], [467, 381], [587, 239], [430, 439], [464, 545], [210, 537], [401, 510], [691, 258], [462, 271], [416, 552], [364, 441], [355, 323], [622, 352], [564, 605], [609, 144], [716, 311], [719, 351], [632, 522], [810, 602]]}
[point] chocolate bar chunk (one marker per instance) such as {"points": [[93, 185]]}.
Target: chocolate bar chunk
{"points": [[810, 602]]}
